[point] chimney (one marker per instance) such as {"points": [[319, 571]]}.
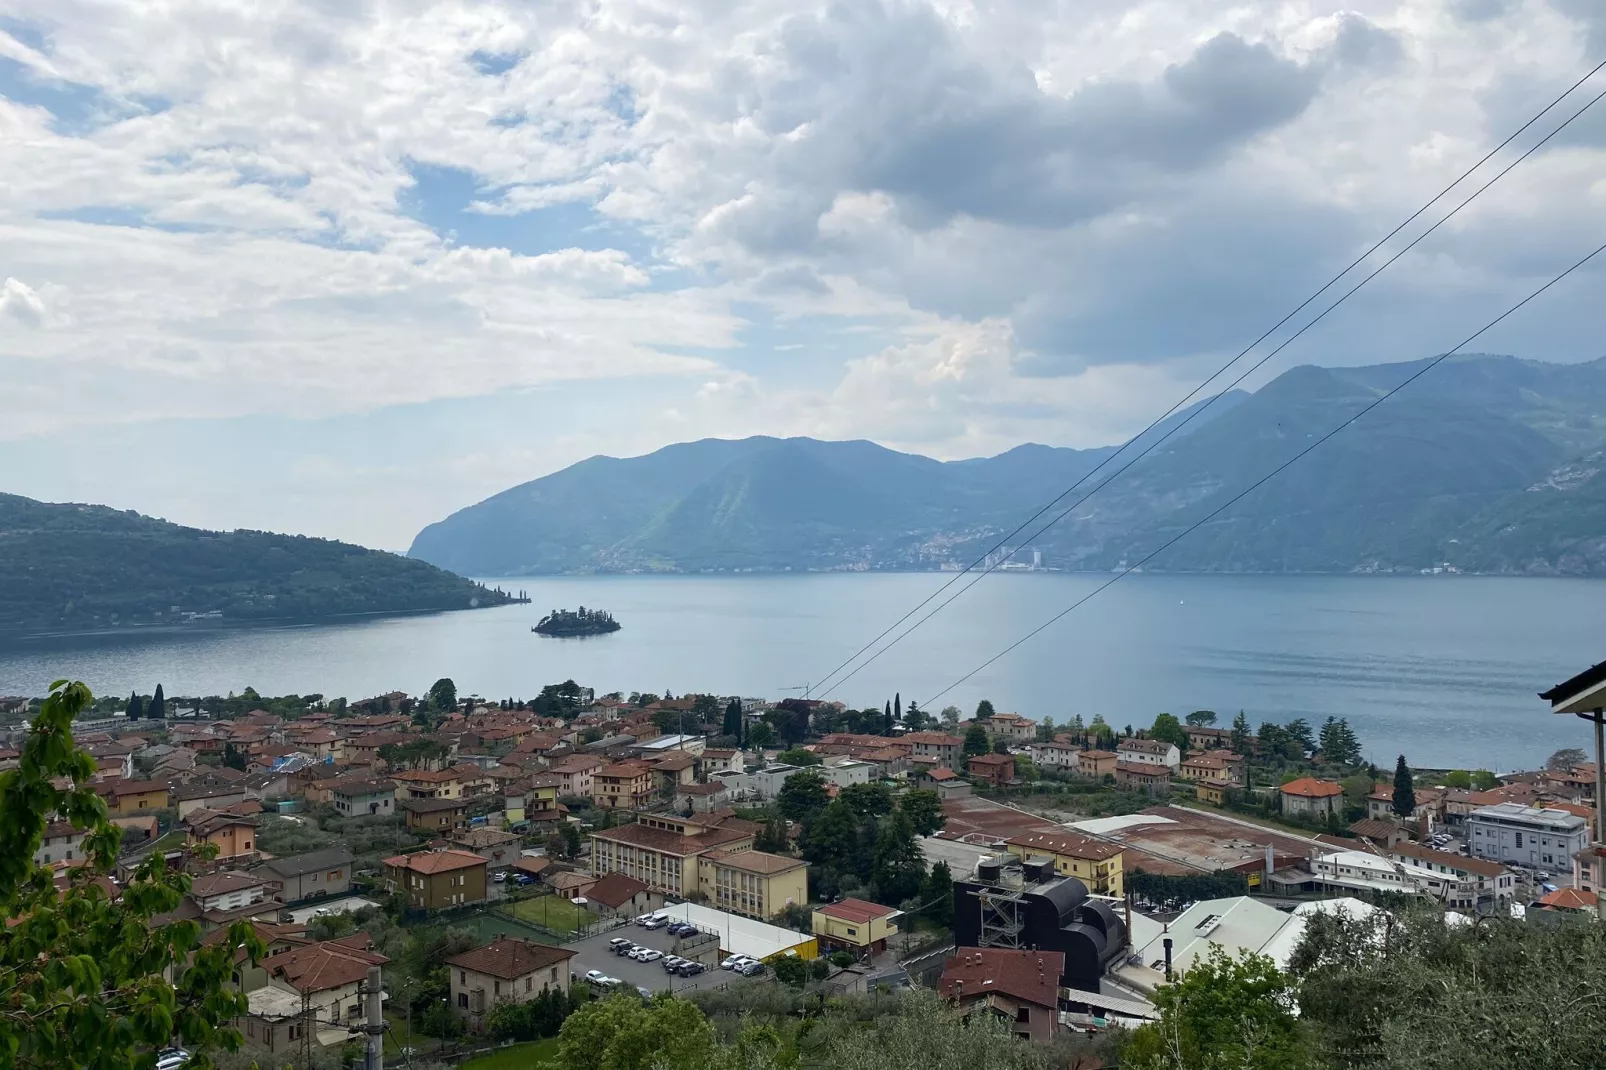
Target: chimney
{"points": [[1166, 943]]}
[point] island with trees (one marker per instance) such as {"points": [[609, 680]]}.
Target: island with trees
{"points": [[567, 623]]}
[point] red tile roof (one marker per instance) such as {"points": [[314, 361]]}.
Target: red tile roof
{"points": [[1309, 787], [857, 911], [615, 890], [510, 958], [427, 862], [1028, 976], [1568, 899], [1070, 846], [331, 964]]}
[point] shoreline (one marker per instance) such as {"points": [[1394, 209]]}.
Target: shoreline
{"points": [[245, 624]]}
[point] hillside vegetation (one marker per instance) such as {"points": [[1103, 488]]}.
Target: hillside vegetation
{"points": [[78, 567], [1489, 463]]}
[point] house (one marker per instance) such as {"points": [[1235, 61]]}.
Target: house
{"points": [[1207, 739], [1011, 727], [939, 745], [233, 836], [434, 815], [855, 925], [428, 784], [575, 773], [61, 843], [1526, 835], [1149, 752], [1570, 900], [1062, 756], [363, 797], [1097, 864], [1379, 831], [1212, 767], [1209, 792], [1143, 776], [207, 796], [435, 880], [1097, 763], [131, 796], [661, 850], [275, 1020], [1020, 987], [145, 827], [628, 785], [228, 890], [949, 784], [617, 894], [113, 760], [1485, 882], [995, 769], [507, 970], [327, 978], [1428, 812], [702, 798], [753, 883], [674, 770], [314, 874], [1312, 798], [494, 845], [569, 885], [719, 759]]}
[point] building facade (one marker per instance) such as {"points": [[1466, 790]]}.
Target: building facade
{"points": [[1526, 836], [1312, 798], [855, 925], [754, 883], [1095, 863], [631, 785], [436, 880], [1149, 752], [507, 970], [662, 850]]}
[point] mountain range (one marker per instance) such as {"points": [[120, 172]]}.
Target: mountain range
{"points": [[1488, 463], [71, 568]]}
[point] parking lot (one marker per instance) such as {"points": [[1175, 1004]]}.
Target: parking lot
{"points": [[593, 953]]}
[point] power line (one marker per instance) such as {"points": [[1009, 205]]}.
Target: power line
{"points": [[1429, 366], [1250, 370]]}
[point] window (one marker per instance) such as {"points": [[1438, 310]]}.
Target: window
{"points": [[462, 1000], [496, 988], [529, 983], [1024, 1014], [462, 977], [554, 973], [1519, 839]]}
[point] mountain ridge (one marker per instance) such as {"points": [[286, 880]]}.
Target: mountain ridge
{"points": [[1435, 474]]}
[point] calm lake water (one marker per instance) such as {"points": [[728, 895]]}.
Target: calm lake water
{"points": [[1443, 669]]}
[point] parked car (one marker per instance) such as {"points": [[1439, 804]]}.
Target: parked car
{"points": [[683, 928], [690, 969], [752, 969], [643, 919], [172, 1059], [671, 961], [651, 954], [654, 922], [644, 993], [735, 962], [500, 876], [617, 942], [596, 977], [523, 879]]}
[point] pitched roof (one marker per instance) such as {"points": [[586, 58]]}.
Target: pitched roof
{"points": [[757, 861], [666, 841], [993, 759], [430, 806], [1374, 828], [1568, 899], [204, 822], [1308, 787], [616, 889], [427, 862], [222, 883], [330, 964], [1029, 976], [1146, 746], [1070, 846], [510, 958], [478, 838], [1481, 866], [310, 862], [569, 880], [935, 739], [858, 911]]}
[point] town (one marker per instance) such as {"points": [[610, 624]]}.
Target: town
{"points": [[491, 865]]}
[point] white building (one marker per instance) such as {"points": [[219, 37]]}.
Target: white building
{"points": [[1526, 835], [1056, 756], [766, 783], [1363, 871], [1149, 752]]}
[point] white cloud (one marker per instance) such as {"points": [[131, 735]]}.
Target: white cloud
{"points": [[948, 225]]}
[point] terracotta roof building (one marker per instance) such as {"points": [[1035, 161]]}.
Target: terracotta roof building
{"points": [[856, 925], [1310, 797], [1021, 987], [433, 880], [507, 970]]}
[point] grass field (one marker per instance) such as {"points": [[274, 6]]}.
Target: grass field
{"points": [[553, 912], [516, 1057]]}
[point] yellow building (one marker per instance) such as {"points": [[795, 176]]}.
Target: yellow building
{"points": [[754, 883], [234, 837], [1215, 794], [1093, 862], [427, 784], [131, 796], [855, 925], [662, 850]]}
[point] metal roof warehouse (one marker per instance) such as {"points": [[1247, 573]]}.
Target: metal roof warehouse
{"points": [[744, 936]]}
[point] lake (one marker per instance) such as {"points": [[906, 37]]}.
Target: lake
{"points": [[1441, 668]]}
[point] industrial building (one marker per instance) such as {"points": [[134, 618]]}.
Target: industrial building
{"points": [[1025, 904]]}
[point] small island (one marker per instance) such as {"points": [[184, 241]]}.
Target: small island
{"points": [[564, 622]]}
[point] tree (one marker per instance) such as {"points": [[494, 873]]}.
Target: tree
{"points": [[158, 707], [914, 718], [623, 1033], [791, 970], [799, 756], [135, 707], [571, 841], [938, 894], [760, 736], [1240, 739], [557, 848], [1000, 745], [976, 741], [705, 708], [1201, 718], [924, 808], [897, 866], [1224, 1014], [443, 695], [867, 800], [733, 718], [84, 978], [1458, 778], [1483, 780], [1168, 729], [772, 838], [984, 710], [1045, 730], [1404, 792], [802, 796], [1298, 730], [897, 706], [832, 839], [1564, 759], [234, 757], [950, 716]]}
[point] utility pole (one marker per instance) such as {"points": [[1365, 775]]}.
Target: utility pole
{"points": [[375, 1005]]}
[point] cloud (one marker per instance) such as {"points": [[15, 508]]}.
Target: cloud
{"points": [[20, 304]]}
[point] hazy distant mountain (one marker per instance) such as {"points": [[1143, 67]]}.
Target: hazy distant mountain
{"points": [[1482, 463], [79, 567]]}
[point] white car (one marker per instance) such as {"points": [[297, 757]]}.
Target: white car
{"points": [[640, 954], [596, 977], [735, 962], [651, 954], [499, 876], [172, 1059]]}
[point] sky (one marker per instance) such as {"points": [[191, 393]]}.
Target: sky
{"points": [[341, 268]]}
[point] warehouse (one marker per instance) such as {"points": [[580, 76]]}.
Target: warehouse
{"points": [[744, 936]]}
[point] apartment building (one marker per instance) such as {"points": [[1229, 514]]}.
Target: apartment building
{"points": [[628, 785], [754, 883], [939, 745], [507, 970], [661, 851], [1062, 756], [1526, 835], [435, 880], [1149, 752]]}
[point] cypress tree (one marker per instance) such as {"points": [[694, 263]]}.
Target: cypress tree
{"points": [[1404, 791], [897, 706], [158, 706], [135, 707]]}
